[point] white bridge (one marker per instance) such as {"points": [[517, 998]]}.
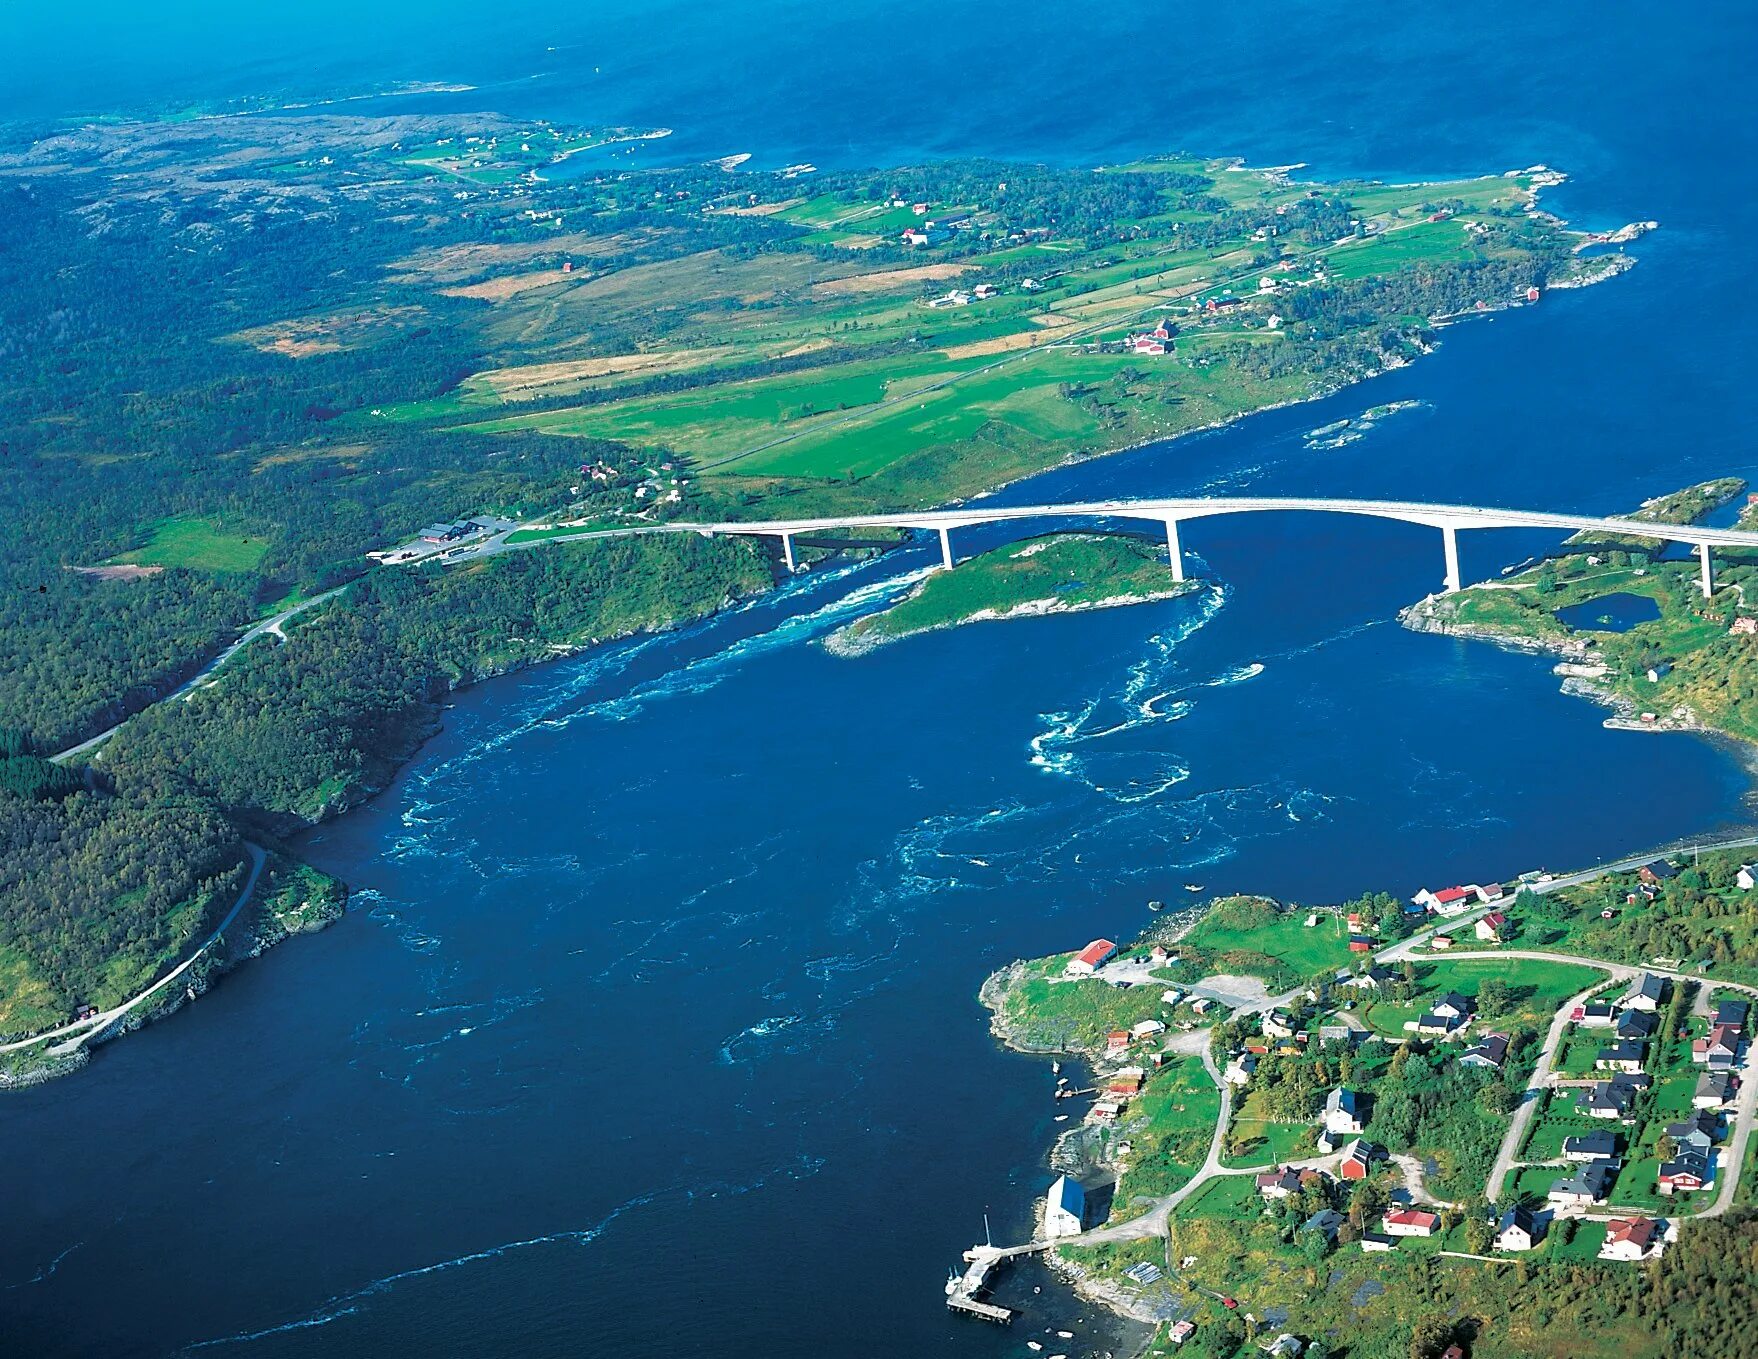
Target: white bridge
{"points": [[1449, 519]]}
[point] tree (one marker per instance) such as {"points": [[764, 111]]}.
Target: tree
{"points": [[1495, 997]]}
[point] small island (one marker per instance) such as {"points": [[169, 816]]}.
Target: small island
{"points": [[1487, 1116], [1631, 625], [1057, 573]]}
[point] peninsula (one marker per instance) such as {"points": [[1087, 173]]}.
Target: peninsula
{"points": [[1487, 1116], [1631, 623]]}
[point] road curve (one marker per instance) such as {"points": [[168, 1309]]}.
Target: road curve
{"points": [[80, 1031]]}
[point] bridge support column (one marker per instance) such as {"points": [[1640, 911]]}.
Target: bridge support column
{"points": [[787, 551], [1708, 571], [1174, 553], [946, 548], [1450, 536]]}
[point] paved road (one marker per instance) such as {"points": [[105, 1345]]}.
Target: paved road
{"points": [[201, 677], [1154, 1221], [1732, 1157], [1533, 1095], [67, 1037]]}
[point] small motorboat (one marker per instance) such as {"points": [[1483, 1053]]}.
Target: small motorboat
{"points": [[1193, 887]]}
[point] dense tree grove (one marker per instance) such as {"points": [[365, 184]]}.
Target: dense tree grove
{"points": [[294, 731], [91, 885]]}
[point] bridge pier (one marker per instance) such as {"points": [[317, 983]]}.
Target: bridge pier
{"points": [[946, 548], [787, 551], [1450, 536], [1708, 571], [1174, 553]]}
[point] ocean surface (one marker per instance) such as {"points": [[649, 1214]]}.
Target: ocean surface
{"points": [[652, 1030]]}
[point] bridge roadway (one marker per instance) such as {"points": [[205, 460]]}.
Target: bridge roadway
{"points": [[1449, 519]]}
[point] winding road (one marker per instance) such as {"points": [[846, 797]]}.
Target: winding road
{"points": [[67, 1037], [1155, 1221], [273, 625]]}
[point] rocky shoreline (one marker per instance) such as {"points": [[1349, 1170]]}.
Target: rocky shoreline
{"points": [[1580, 677], [850, 640], [260, 927]]}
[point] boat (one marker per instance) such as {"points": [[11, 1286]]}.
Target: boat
{"points": [[1193, 887]]}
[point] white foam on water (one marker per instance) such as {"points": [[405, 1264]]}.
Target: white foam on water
{"points": [[348, 1304]]}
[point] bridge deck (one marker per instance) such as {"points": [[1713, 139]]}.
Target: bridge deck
{"points": [[1182, 508]]}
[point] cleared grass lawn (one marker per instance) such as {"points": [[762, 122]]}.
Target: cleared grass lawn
{"points": [[199, 544], [1539, 985], [1274, 1142], [1287, 938], [564, 531], [1169, 1126], [1423, 243], [1584, 1245], [1232, 1197]]}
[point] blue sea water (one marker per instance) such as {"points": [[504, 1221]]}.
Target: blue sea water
{"points": [[653, 1028]]}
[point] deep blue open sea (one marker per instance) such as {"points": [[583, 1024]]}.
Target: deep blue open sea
{"points": [[653, 1029]]}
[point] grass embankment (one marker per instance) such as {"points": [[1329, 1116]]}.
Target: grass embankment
{"points": [[1055, 574], [1687, 669], [1258, 937]]}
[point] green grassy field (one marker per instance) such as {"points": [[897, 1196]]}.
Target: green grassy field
{"points": [[1168, 1126], [1250, 935], [199, 544]]}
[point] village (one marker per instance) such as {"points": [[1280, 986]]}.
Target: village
{"points": [[1585, 1109]]}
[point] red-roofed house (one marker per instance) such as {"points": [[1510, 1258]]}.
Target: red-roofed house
{"points": [[1411, 1222], [1117, 1040], [1632, 1238], [1489, 929], [1091, 958]]}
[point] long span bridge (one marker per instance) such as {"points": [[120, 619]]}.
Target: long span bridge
{"points": [[1449, 519]]}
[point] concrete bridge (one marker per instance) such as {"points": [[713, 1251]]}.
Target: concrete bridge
{"points": [[1449, 519]]}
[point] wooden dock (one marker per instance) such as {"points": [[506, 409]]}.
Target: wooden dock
{"points": [[965, 1293]]}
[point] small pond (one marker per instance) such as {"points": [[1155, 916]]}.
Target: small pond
{"points": [[1610, 613]]}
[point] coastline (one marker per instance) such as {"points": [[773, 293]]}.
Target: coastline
{"points": [[1580, 679], [259, 931], [385, 764]]}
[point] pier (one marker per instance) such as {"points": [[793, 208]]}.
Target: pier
{"points": [[964, 1291]]}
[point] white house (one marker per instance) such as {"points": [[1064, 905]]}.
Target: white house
{"points": [[1518, 1230], [1065, 1207], [1345, 1113], [1747, 877]]}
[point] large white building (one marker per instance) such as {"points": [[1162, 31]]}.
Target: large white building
{"points": [[1064, 1208]]}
